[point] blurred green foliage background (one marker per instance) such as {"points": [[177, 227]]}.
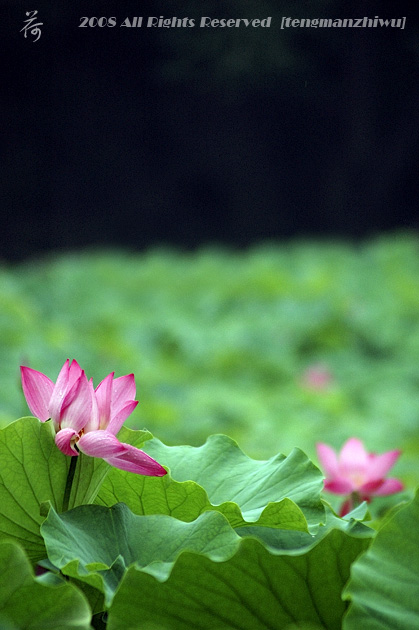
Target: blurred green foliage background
{"points": [[282, 345]]}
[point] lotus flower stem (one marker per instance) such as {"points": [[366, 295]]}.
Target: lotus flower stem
{"points": [[355, 499], [69, 482]]}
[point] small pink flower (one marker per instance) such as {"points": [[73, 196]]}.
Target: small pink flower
{"points": [[87, 419], [317, 377], [357, 474]]}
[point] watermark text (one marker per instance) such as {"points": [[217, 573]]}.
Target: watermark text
{"points": [[364, 22], [30, 27]]}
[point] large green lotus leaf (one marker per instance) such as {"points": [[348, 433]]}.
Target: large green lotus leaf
{"points": [[187, 500], [32, 471], [96, 544], [25, 603], [254, 589], [227, 474], [384, 583]]}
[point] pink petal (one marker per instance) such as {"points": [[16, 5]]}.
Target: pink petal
{"points": [[60, 390], [339, 486], [123, 391], [71, 393], [118, 420], [93, 423], [379, 465], [77, 406], [370, 487], [63, 441], [136, 461], [74, 373], [389, 486], [101, 444], [103, 394], [328, 459], [353, 457], [37, 389]]}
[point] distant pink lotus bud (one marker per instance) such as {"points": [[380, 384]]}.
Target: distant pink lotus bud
{"points": [[87, 419], [357, 474], [317, 377]]}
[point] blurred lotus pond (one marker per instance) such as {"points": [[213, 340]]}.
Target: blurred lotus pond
{"points": [[279, 346]]}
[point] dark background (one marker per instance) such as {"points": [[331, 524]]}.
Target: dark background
{"points": [[185, 136]]}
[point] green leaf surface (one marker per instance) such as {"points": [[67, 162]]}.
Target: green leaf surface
{"points": [[28, 604], [201, 574], [187, 500], [96, 544], [228, 475], [384, 583], [294, 540], [257, 588], [33, 471]]}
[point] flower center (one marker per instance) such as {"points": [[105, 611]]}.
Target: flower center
{"points": [[357, 479], [75, 439]]}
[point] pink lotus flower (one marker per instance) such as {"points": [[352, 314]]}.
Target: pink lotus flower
{"points": [[356, 473], [87, 419]]}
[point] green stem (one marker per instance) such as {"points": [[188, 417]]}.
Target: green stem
{"points": [[69, 482], [356, 500]]}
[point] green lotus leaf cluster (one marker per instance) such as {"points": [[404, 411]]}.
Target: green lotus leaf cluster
{"points": [[222, 541]]}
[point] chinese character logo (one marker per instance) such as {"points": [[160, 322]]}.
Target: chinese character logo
{"points": [[31, 27]]}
